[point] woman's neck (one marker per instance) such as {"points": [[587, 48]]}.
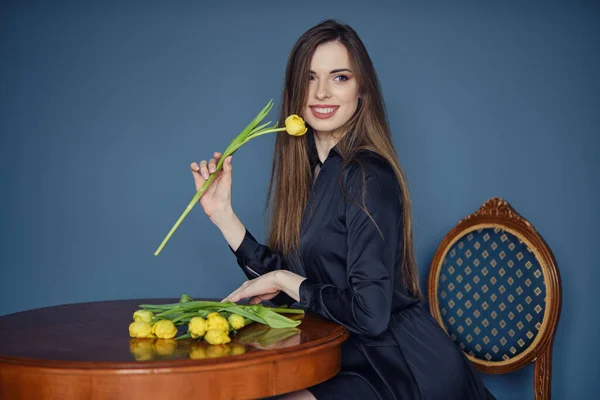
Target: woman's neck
{"points": [[324, 142]]}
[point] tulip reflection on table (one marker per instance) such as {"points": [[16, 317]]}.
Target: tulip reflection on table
{"points": [[166, 349], [263, 337], [142, 349], [257, 336]]}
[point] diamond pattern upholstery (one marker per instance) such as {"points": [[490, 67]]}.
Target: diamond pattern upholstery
{"points": [[491, 294]]}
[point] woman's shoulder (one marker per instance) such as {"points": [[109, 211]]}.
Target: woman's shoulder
{"points": [[368, 163], [368, 167]]}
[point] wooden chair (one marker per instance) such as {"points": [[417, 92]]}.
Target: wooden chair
{"points": [[495, 288]]}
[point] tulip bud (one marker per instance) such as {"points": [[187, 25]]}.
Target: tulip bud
{"points": [[236, 321], [143, 315], [197, 327], [217, 336], [140, 329], [164, 329], [216, 321], [295, 126]]}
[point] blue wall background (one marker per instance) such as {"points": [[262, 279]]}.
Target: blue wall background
{"points": [[103, 105]]}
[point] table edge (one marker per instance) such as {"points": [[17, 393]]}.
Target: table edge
{"points": [[339, 335]]}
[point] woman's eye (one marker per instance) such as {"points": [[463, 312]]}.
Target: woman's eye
{"points": [[343, 78], [311, 78]]}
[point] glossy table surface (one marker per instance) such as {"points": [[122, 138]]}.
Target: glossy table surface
{"points": [[84, 351]]}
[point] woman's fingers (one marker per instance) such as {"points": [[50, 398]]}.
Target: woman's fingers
{"points": [[226, 177], [263, 297], [204, 169], [198, 180], [246, 290], [212, 165], [262, 286]]}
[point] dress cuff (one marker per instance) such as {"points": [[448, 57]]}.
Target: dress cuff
{"points": [[247, 248], [306, 290]]}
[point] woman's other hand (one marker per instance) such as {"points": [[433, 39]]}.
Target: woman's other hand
{"points": [[267, 286]]}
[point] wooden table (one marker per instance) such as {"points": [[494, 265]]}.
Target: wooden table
{"points": [[83, 351]]}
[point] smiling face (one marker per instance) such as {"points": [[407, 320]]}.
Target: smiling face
{"points": [[332, 89]]}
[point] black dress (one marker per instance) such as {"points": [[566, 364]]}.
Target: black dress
{"points": [[396, 350]]}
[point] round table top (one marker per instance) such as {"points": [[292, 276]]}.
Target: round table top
{"points": [[93, 337]]}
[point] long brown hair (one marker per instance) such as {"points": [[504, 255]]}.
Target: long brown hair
{"points": [[368, 129]]}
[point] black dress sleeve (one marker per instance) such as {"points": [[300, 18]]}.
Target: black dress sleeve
{"points": [[373, 251], [256, 259]]}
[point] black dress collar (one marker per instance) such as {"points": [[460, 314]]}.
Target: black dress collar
{"points": [[313, 155]]}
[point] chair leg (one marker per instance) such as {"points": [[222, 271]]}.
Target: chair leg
{"points": [[543, 374]]}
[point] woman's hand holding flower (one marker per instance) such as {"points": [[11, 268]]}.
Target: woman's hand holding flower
{"points": [[216, 201], [216, 198]]}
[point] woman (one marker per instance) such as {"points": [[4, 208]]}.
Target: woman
{"points": [[340, 239]]}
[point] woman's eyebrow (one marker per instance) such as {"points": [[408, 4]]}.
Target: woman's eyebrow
{"points": [[334, 71]]}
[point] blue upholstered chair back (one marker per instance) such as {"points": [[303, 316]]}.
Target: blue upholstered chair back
{"points": [[495, 288]]}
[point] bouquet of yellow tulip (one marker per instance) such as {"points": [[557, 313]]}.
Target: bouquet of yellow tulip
{"points": [[211, 320], [294, 125]]}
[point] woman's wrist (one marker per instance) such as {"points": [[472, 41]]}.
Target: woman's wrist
{"points": [[223, 218], [231, 227], [289, 282]]}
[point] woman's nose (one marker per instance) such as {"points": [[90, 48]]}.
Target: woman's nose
{"points": [[322, 91]]}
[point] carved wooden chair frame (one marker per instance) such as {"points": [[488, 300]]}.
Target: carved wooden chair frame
{"points": [[498, 213]]}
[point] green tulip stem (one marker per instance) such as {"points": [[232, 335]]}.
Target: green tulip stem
{"points": [[260, 133], [187, 210], [183, 316], [230, 150], [287, 310]]}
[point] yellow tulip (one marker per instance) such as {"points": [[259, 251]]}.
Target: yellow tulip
{"points": [[143, 315], [217, 336], [140, 329], [236, 321], [197, 327], [214, 320], [164, 329], [295, 126]]}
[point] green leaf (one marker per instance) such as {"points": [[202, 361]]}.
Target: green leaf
{"points": [[184, 336], [185, 298], [248, 129], [258, 128], [181, 313], [275, 320], [245, 312]]}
